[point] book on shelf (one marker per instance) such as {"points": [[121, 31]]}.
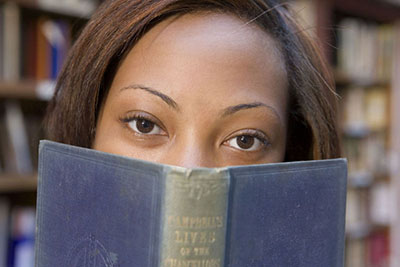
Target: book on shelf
{"points": [[365, 110], [7, 160], [10, 39], [365, 122], [367, 156], [1, 40], [46, 42], [32, 47], [371, 251], [382, 203], [378, 249], [365, 50], [357, 221], [82, 8], [111, 210], [353, 111], [21, 249], [356, 253], [18, 138], [4, 230], [20, 134], [376, 108]]}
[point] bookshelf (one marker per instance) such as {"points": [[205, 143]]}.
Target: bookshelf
{"points": [[361, 39], [16, 183], [61, 8], [26, 90], [35, 36]]}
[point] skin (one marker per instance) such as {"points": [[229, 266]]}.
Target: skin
{"points": [[199, 90]]}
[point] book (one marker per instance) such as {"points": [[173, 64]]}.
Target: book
{"points": [[83, 8], [55, 32], [4, 229], [365, 50], [356, 253], [357, 224], [29, 47], [382, 203], [378, 247], [100, 209], [19, 142], [1, 41], [377, 108], [52, 42], [21, 250], [11, 39], [42, 53]]}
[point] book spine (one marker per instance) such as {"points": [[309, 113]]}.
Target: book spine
{"points": [[4, 228], [19, 141], [21, 251], [11, 46], [42, 64], [195, 218], [2, 41]]}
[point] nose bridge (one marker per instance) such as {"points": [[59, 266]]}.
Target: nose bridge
{"points": [[191, 151]]}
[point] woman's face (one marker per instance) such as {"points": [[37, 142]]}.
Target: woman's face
{"points": [[200, 90]]}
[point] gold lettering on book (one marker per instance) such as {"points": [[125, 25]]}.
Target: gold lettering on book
{"points": [[194, 248], [200, 188], [187, 222], [196, 251], [201, 251], [194, 226], [192, 263], [192, 238]]}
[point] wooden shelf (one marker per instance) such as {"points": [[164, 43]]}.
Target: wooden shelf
{"points": [[57, 10], [358, 230], [27, 90], [344, 80], [363, 230], [369, 9], [13, 183], [18, 90], [360, 180]]}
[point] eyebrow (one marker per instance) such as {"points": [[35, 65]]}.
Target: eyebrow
{"points": [[225, 112], [233, 109], [153, 91]]}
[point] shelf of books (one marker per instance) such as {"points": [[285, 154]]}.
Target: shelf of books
{"points": [[12, 183], [365, 58], [35, 36], [362, 41]]}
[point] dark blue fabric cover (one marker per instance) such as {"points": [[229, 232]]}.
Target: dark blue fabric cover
{"points": [[287, 215], [98, 209]]}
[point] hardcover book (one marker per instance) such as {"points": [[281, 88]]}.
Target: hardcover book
{"points": [[99, 209]]}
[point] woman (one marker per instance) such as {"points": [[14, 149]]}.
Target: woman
{"points": [[196, 83]]}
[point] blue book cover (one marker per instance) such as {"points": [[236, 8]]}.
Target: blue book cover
{"points": [[99, 209]]}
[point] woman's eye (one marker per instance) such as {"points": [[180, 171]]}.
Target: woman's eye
{"points": [[143, 126], [246, 142]]}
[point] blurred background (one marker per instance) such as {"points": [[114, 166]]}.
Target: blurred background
{"points": [[360, 39]]}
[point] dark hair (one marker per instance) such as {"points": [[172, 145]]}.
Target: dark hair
{"points": [[118, 24]]}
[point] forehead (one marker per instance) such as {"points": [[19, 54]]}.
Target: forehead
{"points": [[187, 57], [212, 34]]}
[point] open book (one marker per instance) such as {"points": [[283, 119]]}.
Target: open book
{"points": [[99, 209]]}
